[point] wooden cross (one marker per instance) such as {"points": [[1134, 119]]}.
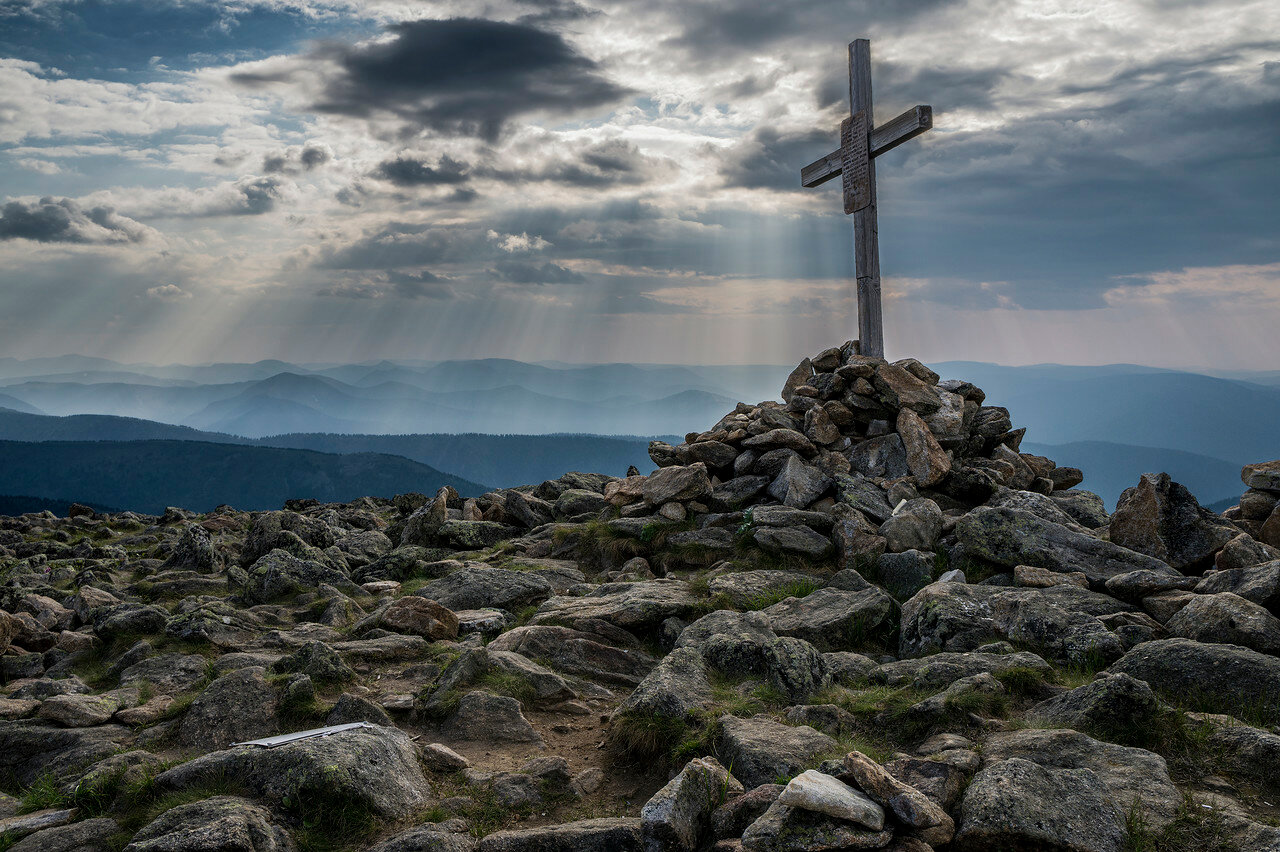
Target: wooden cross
{"points": [[860, 143]]}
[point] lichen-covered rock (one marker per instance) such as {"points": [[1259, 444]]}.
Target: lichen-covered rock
{"points": [[940, 670], [1059, 622], [479, 587], [1128, 774], [760, 750], [1018, 804], [217, 824], [1162, 519], [374, 768], [1227, 618], [1111, 704], [786, 829], [911, 807], [1016, 537], [483, 717], [238, 706], [1224, 678], [678, 817], [278, 574], [832, 619], [638, 607], [590, 835], [818, 792]]}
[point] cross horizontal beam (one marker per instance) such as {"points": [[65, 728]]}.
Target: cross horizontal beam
{"points": [[886, 137]]}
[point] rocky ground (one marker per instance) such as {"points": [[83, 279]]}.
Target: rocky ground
{"points": [[858, 618]]}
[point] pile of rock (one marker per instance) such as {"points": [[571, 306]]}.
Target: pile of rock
{"points": [[517, 660]]}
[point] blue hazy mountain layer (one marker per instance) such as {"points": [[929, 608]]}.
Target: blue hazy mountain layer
{"points": [[147, 476]]}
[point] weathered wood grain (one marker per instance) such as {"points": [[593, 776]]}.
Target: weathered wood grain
{"points": [[884, 138], [866, 241]]}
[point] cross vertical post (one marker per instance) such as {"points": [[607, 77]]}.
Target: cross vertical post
{"points": [[866, 240], [861, 141]]}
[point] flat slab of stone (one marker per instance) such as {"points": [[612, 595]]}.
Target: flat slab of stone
{"points": [[1015, 537], [761, 750], [1220, 678], [590, 835], [815, 791]]}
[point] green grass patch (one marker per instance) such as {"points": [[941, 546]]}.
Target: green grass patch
{"points": [[1193, 829], [798, 588]]}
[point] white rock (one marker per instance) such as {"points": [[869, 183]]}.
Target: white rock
{"points": [[812, 790]]}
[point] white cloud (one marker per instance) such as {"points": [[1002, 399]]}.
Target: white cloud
{"points": [[168, 292], [518, 242]]}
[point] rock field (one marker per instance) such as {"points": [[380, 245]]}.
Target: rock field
{"points": [[858, 618]]}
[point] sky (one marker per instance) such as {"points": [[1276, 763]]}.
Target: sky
{"points": [[612, 180]]}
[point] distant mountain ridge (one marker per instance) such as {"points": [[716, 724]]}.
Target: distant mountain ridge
{"points": [[147, 476]]}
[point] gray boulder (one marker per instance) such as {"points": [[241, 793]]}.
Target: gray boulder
{"points": [[1018, 804], [915, 525], [375, 768], [194, 552], [478, 587], [1015, 537], [1111, 705], [743, 589], [940, 670], [905, 573], [638, 607], [676, 687], [883, 457], [1084, 507], [278, 574], [1162, 519], [798, 540], [678, 817], [577, 652], [432, 837], [589, 835], [1228, 619], [90, 835], [1059, 621], [32, 748], [483, 717], [799, 484], [832, 619], [217, 824], [761, 750], [864, 495], [1128, 774], [782, 828], [1259, 583], [238, 706]]}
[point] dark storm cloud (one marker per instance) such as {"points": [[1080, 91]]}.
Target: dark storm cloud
{"points": [[253, 197], [724, 27], [772, 160], [407, 170], [520, 272], [293, 160], [465, 76], [64, 221]]}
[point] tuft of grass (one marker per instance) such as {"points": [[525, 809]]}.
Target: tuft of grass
{"points": [[1023, 682], [43, 793], [647, 737], [509, 684], [797, 588], [1194, 829]]}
